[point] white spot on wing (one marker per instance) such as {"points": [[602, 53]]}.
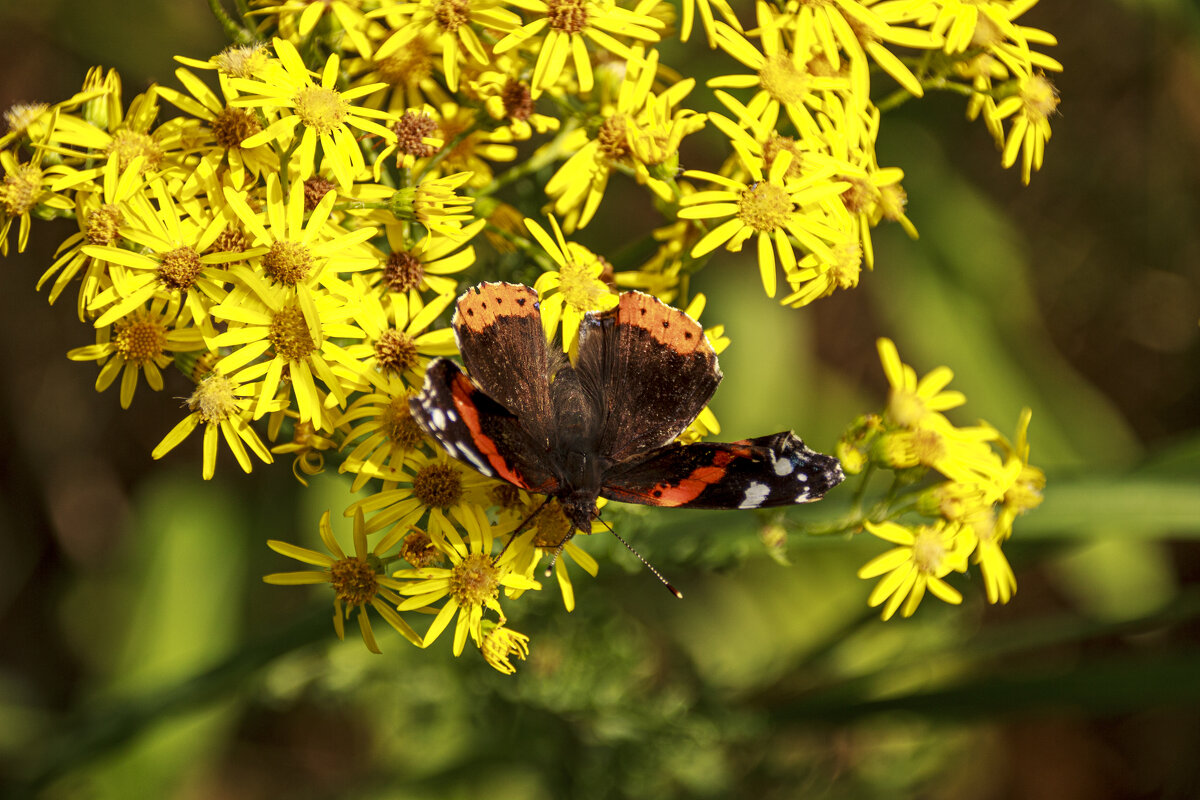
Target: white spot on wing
{"points": [[437, 418], [783, 466], [477, 461], [756, 493]]}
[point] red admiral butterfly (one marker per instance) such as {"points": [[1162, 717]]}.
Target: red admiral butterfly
{"points": [[606, 426]]}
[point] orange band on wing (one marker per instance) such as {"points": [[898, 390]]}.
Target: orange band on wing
{"points": [[691, 487], [461, 390]]}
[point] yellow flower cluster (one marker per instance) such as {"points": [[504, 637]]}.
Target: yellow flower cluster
{"points": [[293, 235], [983, 483]]}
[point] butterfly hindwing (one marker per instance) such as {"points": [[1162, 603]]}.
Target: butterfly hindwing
{"points": [[503, 346], [650, 370], [477, 430], [773, 470]]}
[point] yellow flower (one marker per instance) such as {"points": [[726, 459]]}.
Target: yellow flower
{"points": [[543, 529], [574, 289], [358, 581], [307, 448], [924, 557], [387, 438], [449, 23], [427, 266], [912, 403], [325, 114], [173, 261], [571, 24], [141, 341], [398, 343], [1030, 109], [961, 454], [1024, 490], [470, 586], [223, 403], [780, 74], [424, 485], [706, 18], [770, 208], [24, 188], [436, 204], [286, 332], [501, 644]]}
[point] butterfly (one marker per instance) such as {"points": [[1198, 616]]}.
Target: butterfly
{"points": [[607, 425]]}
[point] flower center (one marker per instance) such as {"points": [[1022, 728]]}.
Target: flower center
{"points": [[21, 115], [233, 125], [475, 581], [906, 408], [417, 549], [518, 103], [411, 129], [612, 139], [140, 337], [214, 399], [579, 289], [289, 335], [568, 16], [354, 581], [505, 495], [1039, 97], [243, 61], [319, 108], [128, 145], [103, 224], [396, 351], [847, 265], [450, 14], [765, 207], [398, 424], [860, 197], [437, 485], [179, 268], [403, 271], [928, 447], [553, 527], [21, 188], [315, 189], [408, 66], [783, 80], [928, 550], [287, 263]]}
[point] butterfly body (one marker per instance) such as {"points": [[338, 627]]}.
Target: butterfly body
{"points": [[605, 426]]}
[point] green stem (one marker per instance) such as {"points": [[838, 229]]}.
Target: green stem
{"points": [[233, 30], [902, 96], [542, 157]]}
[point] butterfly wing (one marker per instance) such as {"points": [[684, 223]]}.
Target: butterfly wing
{"points": [[503, 346], [649, 369], [477, 430], [775, 470]]}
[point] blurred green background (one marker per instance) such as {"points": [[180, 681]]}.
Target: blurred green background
{"points": [[141, 656]]}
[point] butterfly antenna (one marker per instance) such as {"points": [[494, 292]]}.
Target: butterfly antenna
{"points": [[647, 564], [521, 529]]}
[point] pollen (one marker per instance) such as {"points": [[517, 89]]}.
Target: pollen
{"points": [[402, 272], [518, 102], [418, 550], [765, 207], [553, 527], [128, 145], [103, 224], [354, 581], [214, 400], [21, 189], [612, 138], [847, 265], [179, 268], [140, 337], [399, 426], [410, 130], [289, 335], [437, 486], [860, 197], [396, 351], [233, 125], [315, 189], [288, 263], [475, 581], [579, 289], [1039, 98], [928, 550], [568, 16], [783, 80], [242, 62], [230, 240], [21, 115], [451, 14], [323, 110]]}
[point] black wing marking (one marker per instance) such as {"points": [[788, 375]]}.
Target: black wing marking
{"points": [[775, 470]]}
